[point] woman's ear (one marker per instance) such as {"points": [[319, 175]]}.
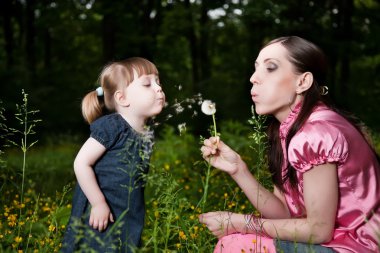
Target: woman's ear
{"points": [[304, 83], [121, 98]]}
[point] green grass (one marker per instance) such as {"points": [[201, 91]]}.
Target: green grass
{"points": [[36, 188], [173, 193]]}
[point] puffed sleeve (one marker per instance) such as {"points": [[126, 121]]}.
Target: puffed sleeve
{"points": [[317, 143], [105, 130]]}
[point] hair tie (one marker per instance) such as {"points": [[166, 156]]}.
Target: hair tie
{"points": [[99, 91], [324, 90]]}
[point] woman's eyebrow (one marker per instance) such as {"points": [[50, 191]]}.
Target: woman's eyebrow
{"points": [[266, 60]]}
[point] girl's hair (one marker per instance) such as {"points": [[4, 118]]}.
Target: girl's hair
{"points": [[305, 57], [113, 77]]}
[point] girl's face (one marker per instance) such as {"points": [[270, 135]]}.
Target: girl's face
{"points": [[274, 82], [145, 96]]}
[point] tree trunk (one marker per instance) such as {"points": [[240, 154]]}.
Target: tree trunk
{"points": [[6, 12], [190, 34], [204, 63], [30, 37], [346, 36], [47, 48], [108, 37]]}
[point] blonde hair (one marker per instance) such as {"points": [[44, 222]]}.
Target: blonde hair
{"points": [[114, 76]]}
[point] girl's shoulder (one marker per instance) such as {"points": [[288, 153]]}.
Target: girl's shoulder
{"points": [[108, 128], [110, 122]]}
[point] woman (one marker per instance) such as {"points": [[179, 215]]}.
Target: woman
{"points": [[326, 176]]}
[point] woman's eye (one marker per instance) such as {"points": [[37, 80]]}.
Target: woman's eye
{"points": [[271, 67], [147, 84]]}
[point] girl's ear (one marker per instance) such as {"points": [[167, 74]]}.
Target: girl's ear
{"points": [[121, 98], [304, 83]]}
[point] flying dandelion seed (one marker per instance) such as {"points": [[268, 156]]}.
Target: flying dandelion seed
{"points": [[182, 128], [178, 108]]}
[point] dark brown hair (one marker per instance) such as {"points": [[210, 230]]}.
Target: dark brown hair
{"points": [[305, 57]]}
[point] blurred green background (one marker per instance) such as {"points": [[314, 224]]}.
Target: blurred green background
{"points": [[55, 50]]}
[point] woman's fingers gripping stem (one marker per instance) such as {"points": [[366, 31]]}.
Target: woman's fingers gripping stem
{"points": [[219, 155]]}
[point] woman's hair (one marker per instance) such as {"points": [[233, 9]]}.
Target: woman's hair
{"points": [[113, 77], [305, 57]]}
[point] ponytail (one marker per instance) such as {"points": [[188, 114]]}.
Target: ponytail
{"points": [[92, 107]]}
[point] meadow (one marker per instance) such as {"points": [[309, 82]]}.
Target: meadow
{"points": [[37, 184]]}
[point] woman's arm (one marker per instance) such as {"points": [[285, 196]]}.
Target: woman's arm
{"points": [[321, 200], [270, 205], [87, 156], [224, 158], [320, 186]]}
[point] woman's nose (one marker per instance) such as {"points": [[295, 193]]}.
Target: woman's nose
{"points": [[253, 78]]}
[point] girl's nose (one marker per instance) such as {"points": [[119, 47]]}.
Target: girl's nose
{"points": [[157, 86]]}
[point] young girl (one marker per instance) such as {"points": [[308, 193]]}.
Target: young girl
{"points": [[326, 176], [108, 205]]}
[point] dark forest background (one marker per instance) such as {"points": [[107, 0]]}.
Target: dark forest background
{"points": [[55, 50]]}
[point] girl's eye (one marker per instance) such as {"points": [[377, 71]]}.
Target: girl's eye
{"points": [[147, 84]]}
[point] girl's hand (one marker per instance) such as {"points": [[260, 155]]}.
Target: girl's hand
{"points": [[220, 156], [100, 215], [222, 223]]}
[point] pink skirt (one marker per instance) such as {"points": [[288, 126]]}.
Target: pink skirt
{"points": [[248, 243]]}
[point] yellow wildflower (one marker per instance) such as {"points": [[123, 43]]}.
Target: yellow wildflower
{"points": [[51, 228], [18, 239], [182, 235]]}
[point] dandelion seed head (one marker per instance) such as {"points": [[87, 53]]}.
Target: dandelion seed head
{"points": [[208, 107]]}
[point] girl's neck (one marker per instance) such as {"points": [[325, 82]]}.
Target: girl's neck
{"points": [[137, 123]]}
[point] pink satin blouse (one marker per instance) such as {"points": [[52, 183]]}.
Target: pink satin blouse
{"points": [[327, 137]]}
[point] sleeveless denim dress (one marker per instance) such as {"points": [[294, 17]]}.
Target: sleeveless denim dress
{"points": [[120, 174]]}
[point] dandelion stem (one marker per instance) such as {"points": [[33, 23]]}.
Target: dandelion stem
{"points": [[213, 119], [205, 192], [208, 173]]}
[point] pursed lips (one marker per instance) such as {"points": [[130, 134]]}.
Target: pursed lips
{"points": [[254, 98]]}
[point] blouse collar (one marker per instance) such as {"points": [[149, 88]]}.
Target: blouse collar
{"points": [[288, 122]]}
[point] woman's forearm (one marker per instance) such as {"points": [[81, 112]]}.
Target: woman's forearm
{"points": [[268, 204], [298, 230]]}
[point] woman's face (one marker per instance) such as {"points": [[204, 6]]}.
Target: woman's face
{"points": [[274, 82]]}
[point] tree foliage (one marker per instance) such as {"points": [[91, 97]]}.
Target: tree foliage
{"points": [[56, 49]]}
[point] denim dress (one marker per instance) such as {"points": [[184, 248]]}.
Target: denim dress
{"points": [[120, 174]]}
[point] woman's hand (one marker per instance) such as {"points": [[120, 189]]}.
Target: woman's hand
{"points": [[100, 215], [220, 156], [222, 223]]}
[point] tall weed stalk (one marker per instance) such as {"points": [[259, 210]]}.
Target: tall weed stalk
{"points": [[25, 117]]}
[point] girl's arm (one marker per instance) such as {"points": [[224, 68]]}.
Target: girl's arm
{"points": [[321, 201], [90, 152], [270, 205]]}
